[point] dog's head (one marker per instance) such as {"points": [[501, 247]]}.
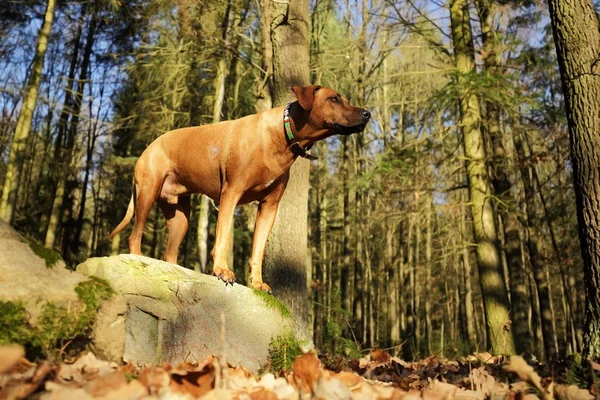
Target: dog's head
{"points": [[330, 110]]}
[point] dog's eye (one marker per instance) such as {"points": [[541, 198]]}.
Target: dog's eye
{"points": [[334, 99]]}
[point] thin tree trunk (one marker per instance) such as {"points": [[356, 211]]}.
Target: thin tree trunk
{"points": [[535, 243], [61, 207], [428, 280], [466, 263], [491, 277], [10, 191]]}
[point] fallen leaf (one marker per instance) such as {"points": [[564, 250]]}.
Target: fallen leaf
{"points": [[262, 394], [84, 368], [307, 370], [381, 357], [104, 384], [526, 372], [9, 357], [331, 389], [572, 392], [43, 371], [155, 379], [443, 389]]}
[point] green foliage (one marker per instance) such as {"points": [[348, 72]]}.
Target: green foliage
{"points": [[579, 372], [57, 325], [14, 325], [272, 302], [50, 256], [283, 351], [334, 337]]}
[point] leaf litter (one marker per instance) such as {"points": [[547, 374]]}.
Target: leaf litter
{"points": [[378, 375]]}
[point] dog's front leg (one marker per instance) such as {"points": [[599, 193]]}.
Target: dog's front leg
{"points": [[227, 203], [265, 218]]}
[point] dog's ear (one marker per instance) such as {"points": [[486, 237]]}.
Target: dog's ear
{"points": [[305, 95]]}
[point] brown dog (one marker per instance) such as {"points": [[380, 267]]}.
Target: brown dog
{"points": [[234, 162]]}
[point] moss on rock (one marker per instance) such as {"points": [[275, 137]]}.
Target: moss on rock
{"points": [[50, 256], [272, 302], [57, 325]]}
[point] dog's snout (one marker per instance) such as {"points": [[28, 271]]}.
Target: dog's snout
{"points": [[366, 115]]}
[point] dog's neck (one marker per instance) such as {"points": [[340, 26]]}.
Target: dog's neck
{"points": [[292, 140], [299, 133]]}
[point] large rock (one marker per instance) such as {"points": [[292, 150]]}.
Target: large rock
{"points": [[33, 275], [175, 314]]}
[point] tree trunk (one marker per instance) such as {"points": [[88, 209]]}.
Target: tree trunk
{"points": [[535, 242], [502, 186], [61, 207], [466, 264], [491, 275], [428, 280], [287, 261], [14, 166], [577, 39]]}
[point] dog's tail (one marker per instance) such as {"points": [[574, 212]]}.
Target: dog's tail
{"points": [[127, 218]]}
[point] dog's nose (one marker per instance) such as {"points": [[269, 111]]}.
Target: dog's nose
{"points": [[366, 115]]}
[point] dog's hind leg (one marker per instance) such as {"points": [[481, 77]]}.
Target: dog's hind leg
{"points": [[146, 195], [177, 216]]}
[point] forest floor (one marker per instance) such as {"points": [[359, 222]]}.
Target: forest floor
{"points": [[378, 375]]}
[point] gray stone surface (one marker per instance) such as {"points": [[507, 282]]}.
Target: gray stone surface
{"points": [[174, 314], [25, 277]]}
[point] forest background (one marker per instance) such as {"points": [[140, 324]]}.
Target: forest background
{"points": [[395, 258]]}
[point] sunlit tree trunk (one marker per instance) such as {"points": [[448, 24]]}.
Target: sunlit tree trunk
{"points": [[287, 261], [491, 276], [502, 185], [10, 191], [577, 39]]}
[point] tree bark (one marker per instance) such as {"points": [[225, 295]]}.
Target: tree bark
{"points": [[491, 275], [287, 261], [577, 39], [14, 166]]}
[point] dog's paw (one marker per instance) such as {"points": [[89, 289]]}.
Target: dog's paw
{"points": [[261, 286], [224, 274]]}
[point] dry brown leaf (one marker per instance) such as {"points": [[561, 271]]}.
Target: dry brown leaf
{"points": [[104, 384], [443, 389], [84, 368], [381, 357], [429, 395], [155, 379], [57, 391], [410, 395], [364, 362], [526, 372], [350, 379], [331, 389], [262, 394], [572, 392], [9, 357], [134, 390], [468, 395], [307, 370], [197, 383], [402, 362], [483, 357], [44, 371], [482, 381]]}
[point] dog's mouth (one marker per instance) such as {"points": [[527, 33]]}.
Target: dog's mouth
{"points": [[346, 129]]}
